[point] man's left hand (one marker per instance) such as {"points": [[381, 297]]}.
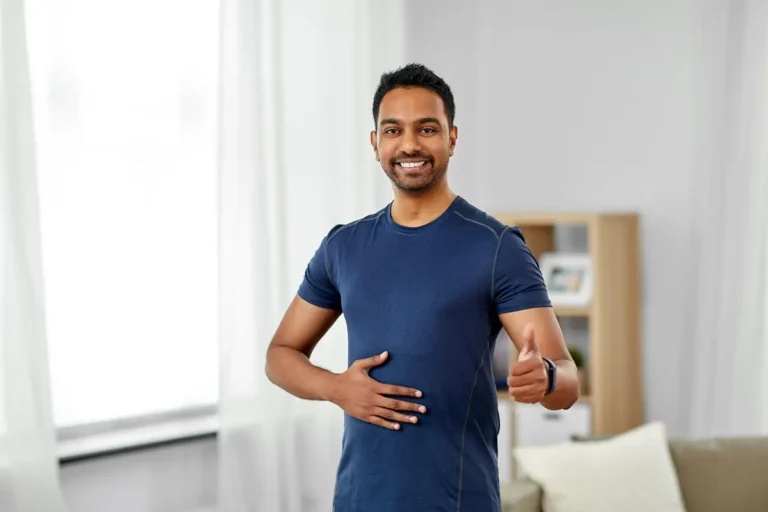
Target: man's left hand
{"points": [[528, 380]]}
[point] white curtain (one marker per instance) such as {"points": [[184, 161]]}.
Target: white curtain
{"points": [[28, 465], [725, 376], [296, 86]]}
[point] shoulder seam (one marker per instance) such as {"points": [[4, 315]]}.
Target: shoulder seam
{"points": [[473, 221], [495, 259], [353, 223], [342, 228]]}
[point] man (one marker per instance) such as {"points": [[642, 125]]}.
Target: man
{"points": [[425, 286]]}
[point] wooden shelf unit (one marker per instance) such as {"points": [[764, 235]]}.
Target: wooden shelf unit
{"points": [[503, 395], [569, 311], [613, 316]]}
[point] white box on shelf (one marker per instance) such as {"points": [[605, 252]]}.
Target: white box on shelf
{"points": [[535, 425]]}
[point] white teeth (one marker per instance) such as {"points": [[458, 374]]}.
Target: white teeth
{"points": [[409, 165]]}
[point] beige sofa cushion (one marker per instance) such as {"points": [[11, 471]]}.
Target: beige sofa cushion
{"points": [[722, 475], [631, 472], [521, 496]]}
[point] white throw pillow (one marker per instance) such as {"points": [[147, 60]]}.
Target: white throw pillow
{"points": [[632, 472]]}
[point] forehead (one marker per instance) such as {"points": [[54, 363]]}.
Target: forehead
{"points": [[411, 103]]}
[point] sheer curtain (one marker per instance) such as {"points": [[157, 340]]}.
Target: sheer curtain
{"points": [[726, 372], [296, 85], [126, 159], [28, 466]]}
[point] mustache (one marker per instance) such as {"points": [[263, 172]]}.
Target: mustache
{"points": [[410, 156]]}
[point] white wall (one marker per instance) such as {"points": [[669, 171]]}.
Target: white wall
{"points": [[588, 105], [174, 478]]}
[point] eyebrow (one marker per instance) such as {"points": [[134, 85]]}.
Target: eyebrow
{"points": [[423, 120]]}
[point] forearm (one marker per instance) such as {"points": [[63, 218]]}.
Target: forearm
{"points": [[291, 370], [566, 387]]}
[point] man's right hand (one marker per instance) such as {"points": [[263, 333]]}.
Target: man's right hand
{"points": [[367, 399]]}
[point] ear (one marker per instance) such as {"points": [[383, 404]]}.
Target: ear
{"points": [[374, 144], [452, 137]]}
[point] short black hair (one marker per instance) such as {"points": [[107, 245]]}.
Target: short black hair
{"points": [[414, 75]]}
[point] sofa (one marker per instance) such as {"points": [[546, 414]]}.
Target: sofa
{"points": [[714, 475]]}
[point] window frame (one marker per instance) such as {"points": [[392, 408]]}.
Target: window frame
{"points": [[76, 443]]}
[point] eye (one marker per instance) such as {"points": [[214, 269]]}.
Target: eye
{"points": [[429, 130], [391, 131]]}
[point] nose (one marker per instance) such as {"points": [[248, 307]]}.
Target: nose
{"points": [[410, 142]]}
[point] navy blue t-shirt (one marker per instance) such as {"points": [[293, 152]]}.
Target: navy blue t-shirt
{"points": [[430, 296]]}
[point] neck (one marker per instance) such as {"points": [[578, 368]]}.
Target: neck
{"points": [[414, 209]]}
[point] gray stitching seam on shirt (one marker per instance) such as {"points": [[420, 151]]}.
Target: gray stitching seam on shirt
{"points": [[466, 421], [342, 228], [482, 362], [499, 237], [495, 259], [486, 226]]}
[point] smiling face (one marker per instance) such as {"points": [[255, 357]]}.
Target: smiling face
{"points": [[413, 140]]}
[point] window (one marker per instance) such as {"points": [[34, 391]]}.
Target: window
{"points": [[125, 111]]}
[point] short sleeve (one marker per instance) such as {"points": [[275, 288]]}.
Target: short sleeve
{"points": [[517, 280], [317, 287]]}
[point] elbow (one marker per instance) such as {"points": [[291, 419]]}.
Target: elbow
{"points": [[573, 397], [277, 357], [559, 405], [570, 403], [562, 404], [269, 365]]}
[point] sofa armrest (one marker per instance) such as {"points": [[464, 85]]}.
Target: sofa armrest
{"points": [[521, 496]]}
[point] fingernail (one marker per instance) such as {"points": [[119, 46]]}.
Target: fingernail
{"points": [[397, 427], [418, 393], [384, 354], [422, 409], [413, 419]]}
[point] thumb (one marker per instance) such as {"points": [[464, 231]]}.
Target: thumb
{"points": [[529, 347], [370, 362]]}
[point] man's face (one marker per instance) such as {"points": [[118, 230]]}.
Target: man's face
{"points": [[413, 141]]}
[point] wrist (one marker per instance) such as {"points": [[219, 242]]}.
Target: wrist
{"points": [[329, 387]]}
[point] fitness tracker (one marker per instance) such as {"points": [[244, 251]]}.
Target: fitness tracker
{"points": [[551, 374]]}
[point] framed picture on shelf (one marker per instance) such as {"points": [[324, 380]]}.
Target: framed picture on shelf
{"points": [[568, 277]]}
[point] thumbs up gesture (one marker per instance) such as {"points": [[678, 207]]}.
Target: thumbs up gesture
{"points": [[528, 379]]}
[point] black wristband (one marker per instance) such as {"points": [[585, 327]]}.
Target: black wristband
{"points": [[551, 374]]}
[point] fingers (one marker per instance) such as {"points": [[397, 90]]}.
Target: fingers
{"points": [[531, 393], [527, 366], [381, 422], [370, 362], [528, 381], [393, 416], [523, 376], [381, 410], [400, 405], [388, 389], [391, 419]]}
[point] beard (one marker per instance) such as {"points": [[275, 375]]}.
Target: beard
{"points": [[417, 179]]}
